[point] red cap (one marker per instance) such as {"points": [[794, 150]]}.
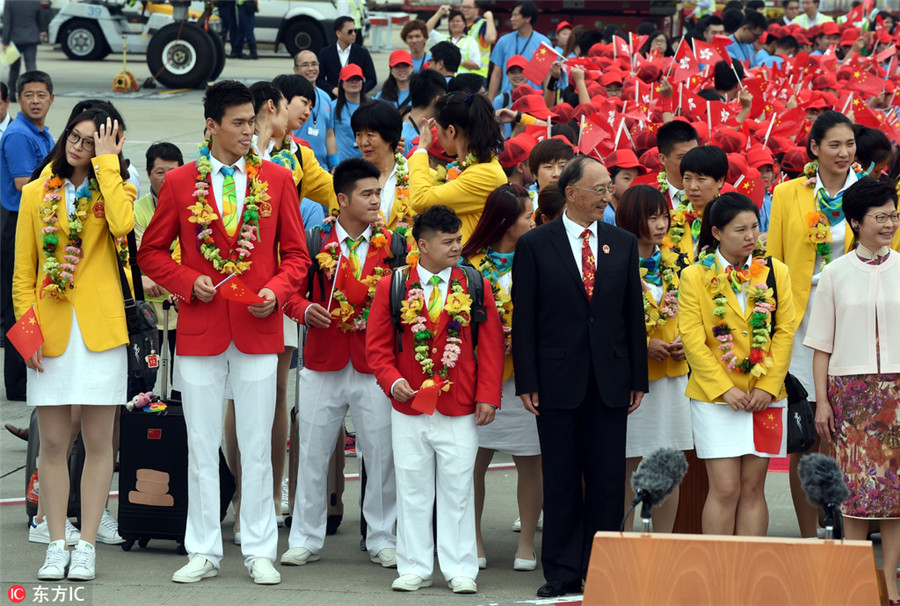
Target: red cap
{"points": [[702, 130], [612, 77], [802, 39], [351, 70], [849, 36], [564, 111], [827, 80], [436, 149], [730, 140], [400, 56], [644, 139], [563, 25], [650, 159], [794, 159], [523, 90], [516, 61], [516, 150], [625, 158], [760, 156], [737, 166], [649, 72], [533, 105], [830, 28]]}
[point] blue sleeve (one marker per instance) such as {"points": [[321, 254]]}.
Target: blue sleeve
{"points": [[311, 212], [498, 101], [21, 155], [499, 55]]}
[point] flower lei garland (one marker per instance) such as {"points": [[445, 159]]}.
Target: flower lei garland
{"points": [[412, 313], [401, 203], [662, 180], [203, 214], [502, 297], [759, 360], [285, 155], [60, 276], [455, 168], [653, 317]]}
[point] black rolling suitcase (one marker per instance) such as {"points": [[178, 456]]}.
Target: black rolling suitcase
{"points": [[153, 486]]}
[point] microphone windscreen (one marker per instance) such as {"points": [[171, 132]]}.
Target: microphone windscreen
{"points": [[822, 480], [659, 473]]}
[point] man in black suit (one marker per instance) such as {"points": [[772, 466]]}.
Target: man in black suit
{"points": [[580, 356], [335, 56]]}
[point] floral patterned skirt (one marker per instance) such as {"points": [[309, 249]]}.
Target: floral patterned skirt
{"points": [[867, 443]]}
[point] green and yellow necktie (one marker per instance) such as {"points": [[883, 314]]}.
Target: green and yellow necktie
{"points": [[229, 201], [355, 265], [435, 301]]}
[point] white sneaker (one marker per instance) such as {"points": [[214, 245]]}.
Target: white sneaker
{"points": [[237, 537], [409, 582], [298, 556], [55, 562], [263, 573], [81, 567], [387, 557], [197, 569], [40, 533], [108, 531], [517, 525], [463, 585]]}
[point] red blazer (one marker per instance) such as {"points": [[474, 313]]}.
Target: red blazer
{"points": [[329, 349], [206, 329], [471, 382]]}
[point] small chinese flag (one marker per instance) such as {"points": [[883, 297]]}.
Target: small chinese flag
{"points": [[26, 335], [541, 62], [755, 189], [768, 430], [344, 281], [721, 43], [236, 290], [426, 399]]}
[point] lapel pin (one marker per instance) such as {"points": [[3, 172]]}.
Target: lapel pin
{"points": [[606, 249]]}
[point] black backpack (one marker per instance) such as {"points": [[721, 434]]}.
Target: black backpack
{"points": [[474, 287], [314, 246]]}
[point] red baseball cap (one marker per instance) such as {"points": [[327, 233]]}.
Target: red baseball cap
{"points": [[523, 90], [351, 70], [401, 56], [737, 166], [563, 25], [849, 36], [516, 150], [516, 61], [794, 159], [829, 28], [533, 105], [650, 159], [760, 156], [612, 77], [625, 158]]}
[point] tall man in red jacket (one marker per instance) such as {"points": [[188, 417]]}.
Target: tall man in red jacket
{"points": [[232, 213], [439, 394], [336, 376]]}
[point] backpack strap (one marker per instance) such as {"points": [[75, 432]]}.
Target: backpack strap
{"points": [[299, 156], [398, 293], [771, 283], [314, 246], [475, 288], [398, 250]]}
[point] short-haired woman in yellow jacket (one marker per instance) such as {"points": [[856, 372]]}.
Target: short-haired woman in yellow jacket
{"points": [[664, 417], [726, 312], [468, 129], [66, 268], [807, 230]]}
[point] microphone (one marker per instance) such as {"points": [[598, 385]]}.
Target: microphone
{"points": [[824, 485], [654, 480]]}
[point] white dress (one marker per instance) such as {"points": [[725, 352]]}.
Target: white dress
{"points": [[513, 430], [79, 375], [663, 420]]}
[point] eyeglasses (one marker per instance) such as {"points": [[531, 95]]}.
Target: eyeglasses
{"points": [[883, 218], [307, 64], [87, 144], [350, 31], [600, 191]]}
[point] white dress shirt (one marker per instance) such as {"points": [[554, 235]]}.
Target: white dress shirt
{"points": [[5, 123], [425, 281], [741, 295], [362, 250], [672, 191], [343, 55], [218, 182], [70, 189], [388, 193], [574, 231]]}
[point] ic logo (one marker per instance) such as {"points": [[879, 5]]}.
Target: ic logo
{"points": [[16, 594]]}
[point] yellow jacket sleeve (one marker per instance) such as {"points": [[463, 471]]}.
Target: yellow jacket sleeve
{"points": [[316, 182], [118, 195], [465, 194], [24, 285]]}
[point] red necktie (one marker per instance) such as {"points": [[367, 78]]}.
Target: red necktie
{"points": [[588, 267]]}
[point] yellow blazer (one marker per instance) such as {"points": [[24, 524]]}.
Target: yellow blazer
{"points": [[668, 332], [710, 377], [315, 182], [787, 240], [465, 194], [97, 291]]}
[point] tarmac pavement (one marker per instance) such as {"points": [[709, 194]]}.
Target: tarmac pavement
{"points": [[344, 575]]}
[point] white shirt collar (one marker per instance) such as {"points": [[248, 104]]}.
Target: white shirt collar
{"points": [[723, 262], [865, 253], [575, 230], [425, 275], [343, 235], [218, 164], [850, 180]]}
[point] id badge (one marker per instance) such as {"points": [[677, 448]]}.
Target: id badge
{"points": [[313, 131]]}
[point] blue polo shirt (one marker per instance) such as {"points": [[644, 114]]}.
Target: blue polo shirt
{"points": [[343, 133], [22, 147], [513, 44], [321, 120]]}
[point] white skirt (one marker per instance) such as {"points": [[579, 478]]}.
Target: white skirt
{"points": [[721, 432], [513, 430], [663, 420], [80, 376]]}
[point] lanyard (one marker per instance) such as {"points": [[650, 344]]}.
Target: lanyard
{"points": [[527, 42]]}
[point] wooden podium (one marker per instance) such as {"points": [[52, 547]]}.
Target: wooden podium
{"points": [[660, 569], [692, 496]]}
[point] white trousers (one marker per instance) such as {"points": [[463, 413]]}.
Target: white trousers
{"points": [[426, 445], [202, 382], [323, 401]]}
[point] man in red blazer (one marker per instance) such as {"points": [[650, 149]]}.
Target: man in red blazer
{"points": [[232, 213], [336, 376], [434, 401]]}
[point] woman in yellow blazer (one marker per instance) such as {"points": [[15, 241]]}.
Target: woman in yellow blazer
{"points": [[491, 249], [738, 363], [66, 268], [467, 129], [664, 417], [807, 230]]}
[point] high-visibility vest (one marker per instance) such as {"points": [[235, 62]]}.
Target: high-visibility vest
{"points": [[483, 46]]}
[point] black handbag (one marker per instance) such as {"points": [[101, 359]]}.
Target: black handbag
{"points": [[801, 428], [143, 336]]}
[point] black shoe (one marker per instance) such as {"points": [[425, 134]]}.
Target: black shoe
{"points": [[553, 589], [253, 54], [332, 524], [362, 544], [236, 55]]}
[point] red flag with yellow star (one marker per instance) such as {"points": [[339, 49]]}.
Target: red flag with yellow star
{"points": [[865, 82], [768, 430], [346, 282], [235, 290], [26, 335], [540, 63], [755, 189]]}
